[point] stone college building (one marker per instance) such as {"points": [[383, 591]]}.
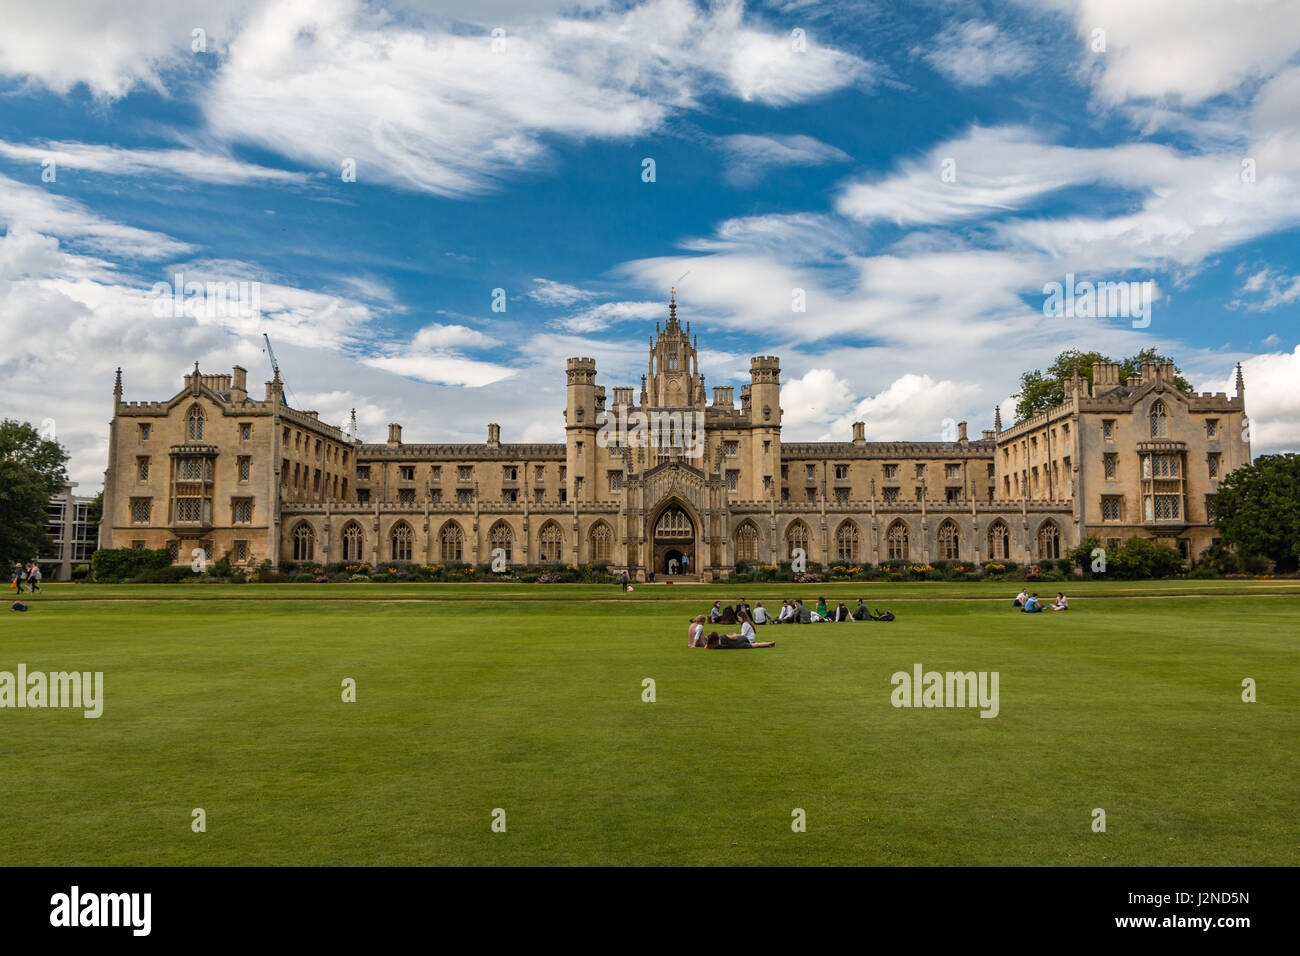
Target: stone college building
{"points": [[708, 485]]}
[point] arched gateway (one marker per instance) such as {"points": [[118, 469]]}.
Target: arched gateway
{"points": [[673, 542]]}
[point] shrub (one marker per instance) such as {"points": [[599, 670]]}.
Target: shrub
{"points": [[80, 572], [303, 578], [110, 565], [166, 575], [1202, 571]]}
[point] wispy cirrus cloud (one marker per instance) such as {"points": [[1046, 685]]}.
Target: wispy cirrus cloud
{"points": [[750, 158]]}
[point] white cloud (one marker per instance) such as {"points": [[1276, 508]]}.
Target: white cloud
{"points": [[450, 336], [912, 408], [437, 111], [602, 316], [975, 54], [549, 292], [1267, 289], [1185, 51], [818, 396], [1272, 399], [190, 164], [43, 209], [750, 158], [110, 47]]}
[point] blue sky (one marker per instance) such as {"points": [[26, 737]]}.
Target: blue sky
{"points": [[916, 172]]}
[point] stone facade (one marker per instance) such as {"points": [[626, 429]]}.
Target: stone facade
{"points": [[661, 478]]}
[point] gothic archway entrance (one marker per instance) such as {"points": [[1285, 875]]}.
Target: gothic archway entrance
{"points": [[673, 540]]}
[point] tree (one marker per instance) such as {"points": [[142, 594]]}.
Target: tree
{"points": [[23, 497], [31, 469], [1040, 390], [22, 443], [1257, 509]]}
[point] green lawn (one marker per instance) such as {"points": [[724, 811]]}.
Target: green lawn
{"points": [[529, 698]]}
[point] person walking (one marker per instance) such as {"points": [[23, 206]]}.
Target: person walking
{"points": [[34, 578], [622, 587]]}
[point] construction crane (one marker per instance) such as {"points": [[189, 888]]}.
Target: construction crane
{"points": [[275, 366]]}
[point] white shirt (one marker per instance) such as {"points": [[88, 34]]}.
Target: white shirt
{"points": [[760, 615], [747, 632]]}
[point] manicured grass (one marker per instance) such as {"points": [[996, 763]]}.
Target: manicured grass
{"points": [[475, 697]]}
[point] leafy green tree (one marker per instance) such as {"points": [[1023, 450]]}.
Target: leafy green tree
{"points": [[23, 497], [31, 469], [20, 442], [1257, 509], [1041, 390]]}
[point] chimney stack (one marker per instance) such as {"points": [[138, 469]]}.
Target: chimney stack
{"points": [[859, 433], [239, 384], [961, 433], [494, 435], [394, 434]]}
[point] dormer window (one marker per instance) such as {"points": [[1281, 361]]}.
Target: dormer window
{"points": [[194, 426], [1159, 420]]}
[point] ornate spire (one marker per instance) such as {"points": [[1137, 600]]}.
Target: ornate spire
{"points": [[997, 418], [117, 384], [1241, 382], [672, 308]]}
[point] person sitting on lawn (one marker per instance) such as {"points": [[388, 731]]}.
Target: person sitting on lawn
{"points": [[1032, 606], [695, 633], [842, 614], [861, 612], [746, 636], [760, 614], [1062, 603], [715, 612], [787, 612], [822, 609], [801, 614], [714, 641], [728, 616], [1020, 599]]}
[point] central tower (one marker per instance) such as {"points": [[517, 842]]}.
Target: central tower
{"points": [[673, 377]]}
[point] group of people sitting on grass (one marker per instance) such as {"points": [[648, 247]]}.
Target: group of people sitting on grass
{"points": [[1029, 603], [792, 612]]}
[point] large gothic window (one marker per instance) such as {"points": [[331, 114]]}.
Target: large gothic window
{"points": [[402, 539], [601, 540], [896, 538], [1049, 541], [747, 542], [551, 543], [194, 424], [674, 523], [949, 540], [796, 536], [999, 541], [304, 543], [453, 542], [846, 542], [352, 542], [502, 537]]}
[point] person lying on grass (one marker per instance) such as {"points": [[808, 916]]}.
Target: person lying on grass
{"points": [[745, 639]]}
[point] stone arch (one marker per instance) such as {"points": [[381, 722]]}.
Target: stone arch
{"points": [[999, 539], [600, 540], [747, 538]]}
